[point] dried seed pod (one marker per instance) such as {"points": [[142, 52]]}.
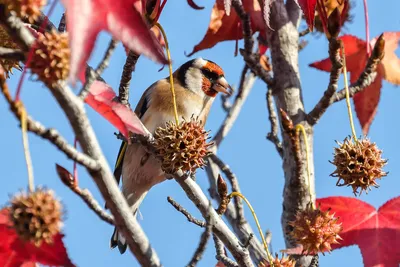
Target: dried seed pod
{"points": [[37, 216], [279, 262], [182, 147], [7, 42], [358, 164], [51, 57], [24, 8], [315, 230]]}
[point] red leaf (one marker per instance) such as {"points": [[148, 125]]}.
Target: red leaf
{"points": [[308, 7], [86, 18], [16, 253], [225, 27], [376, 232], [366, 101], [101, 98]]}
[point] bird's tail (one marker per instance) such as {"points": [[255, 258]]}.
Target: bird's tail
{"points": [[117, 239]]}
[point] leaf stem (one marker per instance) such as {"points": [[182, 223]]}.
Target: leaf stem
{"points": [[238, 194], [300, 127], [28, 160], [346, 86], [367, 27], [171, 79]]}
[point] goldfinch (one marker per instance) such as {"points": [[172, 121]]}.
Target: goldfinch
{"points": [[196, 84]]}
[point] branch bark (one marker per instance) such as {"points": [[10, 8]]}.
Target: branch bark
{"points": [[283, 42]]}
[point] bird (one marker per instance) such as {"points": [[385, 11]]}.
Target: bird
{"points": [[196, 83]]}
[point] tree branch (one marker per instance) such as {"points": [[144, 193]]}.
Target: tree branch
{"points": [[365, 79], [198, 254], [91, 75], [182, 210], [8, 53], [336, 69], [221, 255], [73, 107], [126, 77], [51, 135], [235, 185], [273, 119], [246, 84]]}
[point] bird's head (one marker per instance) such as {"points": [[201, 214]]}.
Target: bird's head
{"points": [[203, 77]]}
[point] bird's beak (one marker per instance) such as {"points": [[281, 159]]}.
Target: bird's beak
{"points": [[222, 85]]}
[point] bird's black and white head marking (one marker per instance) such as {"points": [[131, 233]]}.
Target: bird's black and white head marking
{"points": [[202, 76]]}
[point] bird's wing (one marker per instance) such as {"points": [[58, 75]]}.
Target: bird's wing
{"points": [[140, 110]]}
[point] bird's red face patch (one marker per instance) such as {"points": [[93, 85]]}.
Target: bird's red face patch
{"points": [[212, 67], [206, 87]]}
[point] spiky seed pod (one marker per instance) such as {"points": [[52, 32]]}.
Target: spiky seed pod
{"points": [[51, 57], [358, 164], [315, 230], [279, 262], [7, 42], [25, 8], [37, 216], [182, 147]]}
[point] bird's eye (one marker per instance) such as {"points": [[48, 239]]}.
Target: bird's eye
{"points": [[212, 76]]}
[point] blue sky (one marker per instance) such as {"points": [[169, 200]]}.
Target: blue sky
{"points": [[254, 160]]}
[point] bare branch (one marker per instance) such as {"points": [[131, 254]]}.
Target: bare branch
{"points": [[49, 134], [182, 210], [324, 102], [91, 75], [273, 119], [126, 77], [252, 60], [62, 25], [8, 53], [104, 179], [198, 254], [365, 79], [235, 185], [314, 261], [244, 90], [221, 255]]}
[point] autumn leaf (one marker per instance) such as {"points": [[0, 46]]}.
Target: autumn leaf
{"points": [[366, 101], [225, 27], [375, 232], [308, 8], [86, 18], [16, 253], [102, 98]]}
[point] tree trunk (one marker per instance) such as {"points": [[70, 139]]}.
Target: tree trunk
{"points": [[283, 42]]}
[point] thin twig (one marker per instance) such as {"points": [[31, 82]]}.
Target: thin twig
{"points": [[14, 54], [324, 102], [365, 79], [91, 75], [51, 135], [244, 89], [198, 254], [221, 254], [273, 119], [234, 183], [304, 33], [62, 25], [252, 60], [106, 58], [126, 77], [182, 210], [88, 198]]}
